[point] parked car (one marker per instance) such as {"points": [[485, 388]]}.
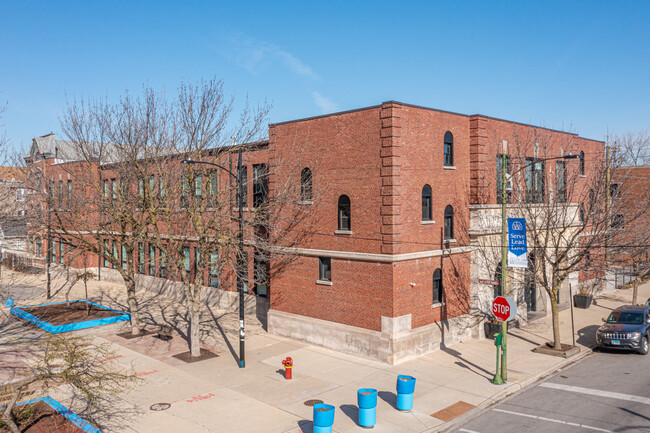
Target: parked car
{"points": [[627, 327], [647, 302]]}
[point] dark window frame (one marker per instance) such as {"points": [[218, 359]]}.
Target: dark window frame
{"points": [[535, 181], [306, 185], [437, 286], [260, 184], [427, 203], [325, 269], [344, 213], [448, 150], [449, 223]]}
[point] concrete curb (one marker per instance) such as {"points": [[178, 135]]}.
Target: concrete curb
{"points": [[512, 389]]}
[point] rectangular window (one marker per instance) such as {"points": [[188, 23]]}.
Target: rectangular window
{"points": [[113, 189], [20, 194], [141, 192], [244, 187], [198, 185], [560, 180], [214, 269], [61, 250], [105, 252], [161, 192], [152, 187], [186, 259], [197, 259], [260, 184], [60, 197], [261, 274], [140, 258], [614, 191], [618, 221], [163, 264], [212, 188], [53, 251], [69, 194], [325, 269], [116, 254], [152, 260], [500, 180], [535, 181], [124, 258]]}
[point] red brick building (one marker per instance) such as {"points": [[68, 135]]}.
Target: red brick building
{"points": [[399, 196]]}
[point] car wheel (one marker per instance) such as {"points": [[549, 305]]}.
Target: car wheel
{"points": [[644, 346]]}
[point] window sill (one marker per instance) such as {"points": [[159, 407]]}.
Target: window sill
{"points": [[427, 222], [437, 305], [449, 167], [306, 202], [324, 283], [582, 175], [450, 241], [236, 209], [343, 232]]}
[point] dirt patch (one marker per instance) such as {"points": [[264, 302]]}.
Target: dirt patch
{"points": [[60, 314], [39, 417], [187, 356], [129, 335]]}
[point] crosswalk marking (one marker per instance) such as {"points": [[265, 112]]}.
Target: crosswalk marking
{"points": [[597, 392], [559, 421]]}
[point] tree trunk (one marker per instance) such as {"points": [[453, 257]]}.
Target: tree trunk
{"points": [[8, 417], [195, 323], [634, 285], [86, 290], [556, 321], [133, 307]]}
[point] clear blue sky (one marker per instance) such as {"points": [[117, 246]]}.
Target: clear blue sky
{"points": [[579, 66]]}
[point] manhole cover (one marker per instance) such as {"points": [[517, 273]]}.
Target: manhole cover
{"points": [[312, 402], [160, 406]]}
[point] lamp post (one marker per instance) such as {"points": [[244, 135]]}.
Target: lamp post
{"points": [[502, 377], [240, 255]]}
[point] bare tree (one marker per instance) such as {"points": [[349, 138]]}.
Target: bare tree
{"points": [[72, 361], [569, 215]]}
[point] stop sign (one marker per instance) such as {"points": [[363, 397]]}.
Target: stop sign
{"points": [[504, 308]]}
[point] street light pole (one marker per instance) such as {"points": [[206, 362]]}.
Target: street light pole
{"points": [[501, 378], [240, 253]]}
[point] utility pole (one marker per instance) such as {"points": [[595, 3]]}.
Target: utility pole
{"points": [[504, 265], [607, 204], [49, 237]]}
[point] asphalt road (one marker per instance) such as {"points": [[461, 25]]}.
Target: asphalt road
{"points": [[606, 392]]}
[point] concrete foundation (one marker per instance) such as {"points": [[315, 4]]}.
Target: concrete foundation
{"points": [[394, 344]]}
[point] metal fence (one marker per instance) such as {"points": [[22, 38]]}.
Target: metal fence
{"points": [[22, 263]]}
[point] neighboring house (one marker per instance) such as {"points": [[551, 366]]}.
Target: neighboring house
{"points": [[404, 196], [13, 208]]}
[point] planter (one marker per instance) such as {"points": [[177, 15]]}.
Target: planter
{"points": [[582, 301], [323, 418]]}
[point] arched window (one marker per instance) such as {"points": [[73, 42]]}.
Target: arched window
{"points": [[582, 213], [427, 214], [305, 185], [344, 213], [449, 149], [582, 163], [449, 222], [437, 286]]}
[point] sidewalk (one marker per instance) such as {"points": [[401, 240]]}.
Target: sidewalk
{"points": [[216, 396]]}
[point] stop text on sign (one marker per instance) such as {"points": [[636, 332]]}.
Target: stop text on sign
{"points": [[504, 308]]}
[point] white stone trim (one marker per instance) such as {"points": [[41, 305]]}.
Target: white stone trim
{"points": [[371, 257]]}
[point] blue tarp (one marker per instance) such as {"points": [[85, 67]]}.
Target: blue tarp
{"points": [[71, 416], [19, 312]]}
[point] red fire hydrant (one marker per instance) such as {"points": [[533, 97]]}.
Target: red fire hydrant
{"points": [[288, 365]]}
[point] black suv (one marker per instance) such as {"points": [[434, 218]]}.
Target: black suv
{"points": [[627, 327]]}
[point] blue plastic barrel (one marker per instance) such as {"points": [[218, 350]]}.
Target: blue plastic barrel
{"points": [[323, 418], [367, 401], [405, 390]]}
